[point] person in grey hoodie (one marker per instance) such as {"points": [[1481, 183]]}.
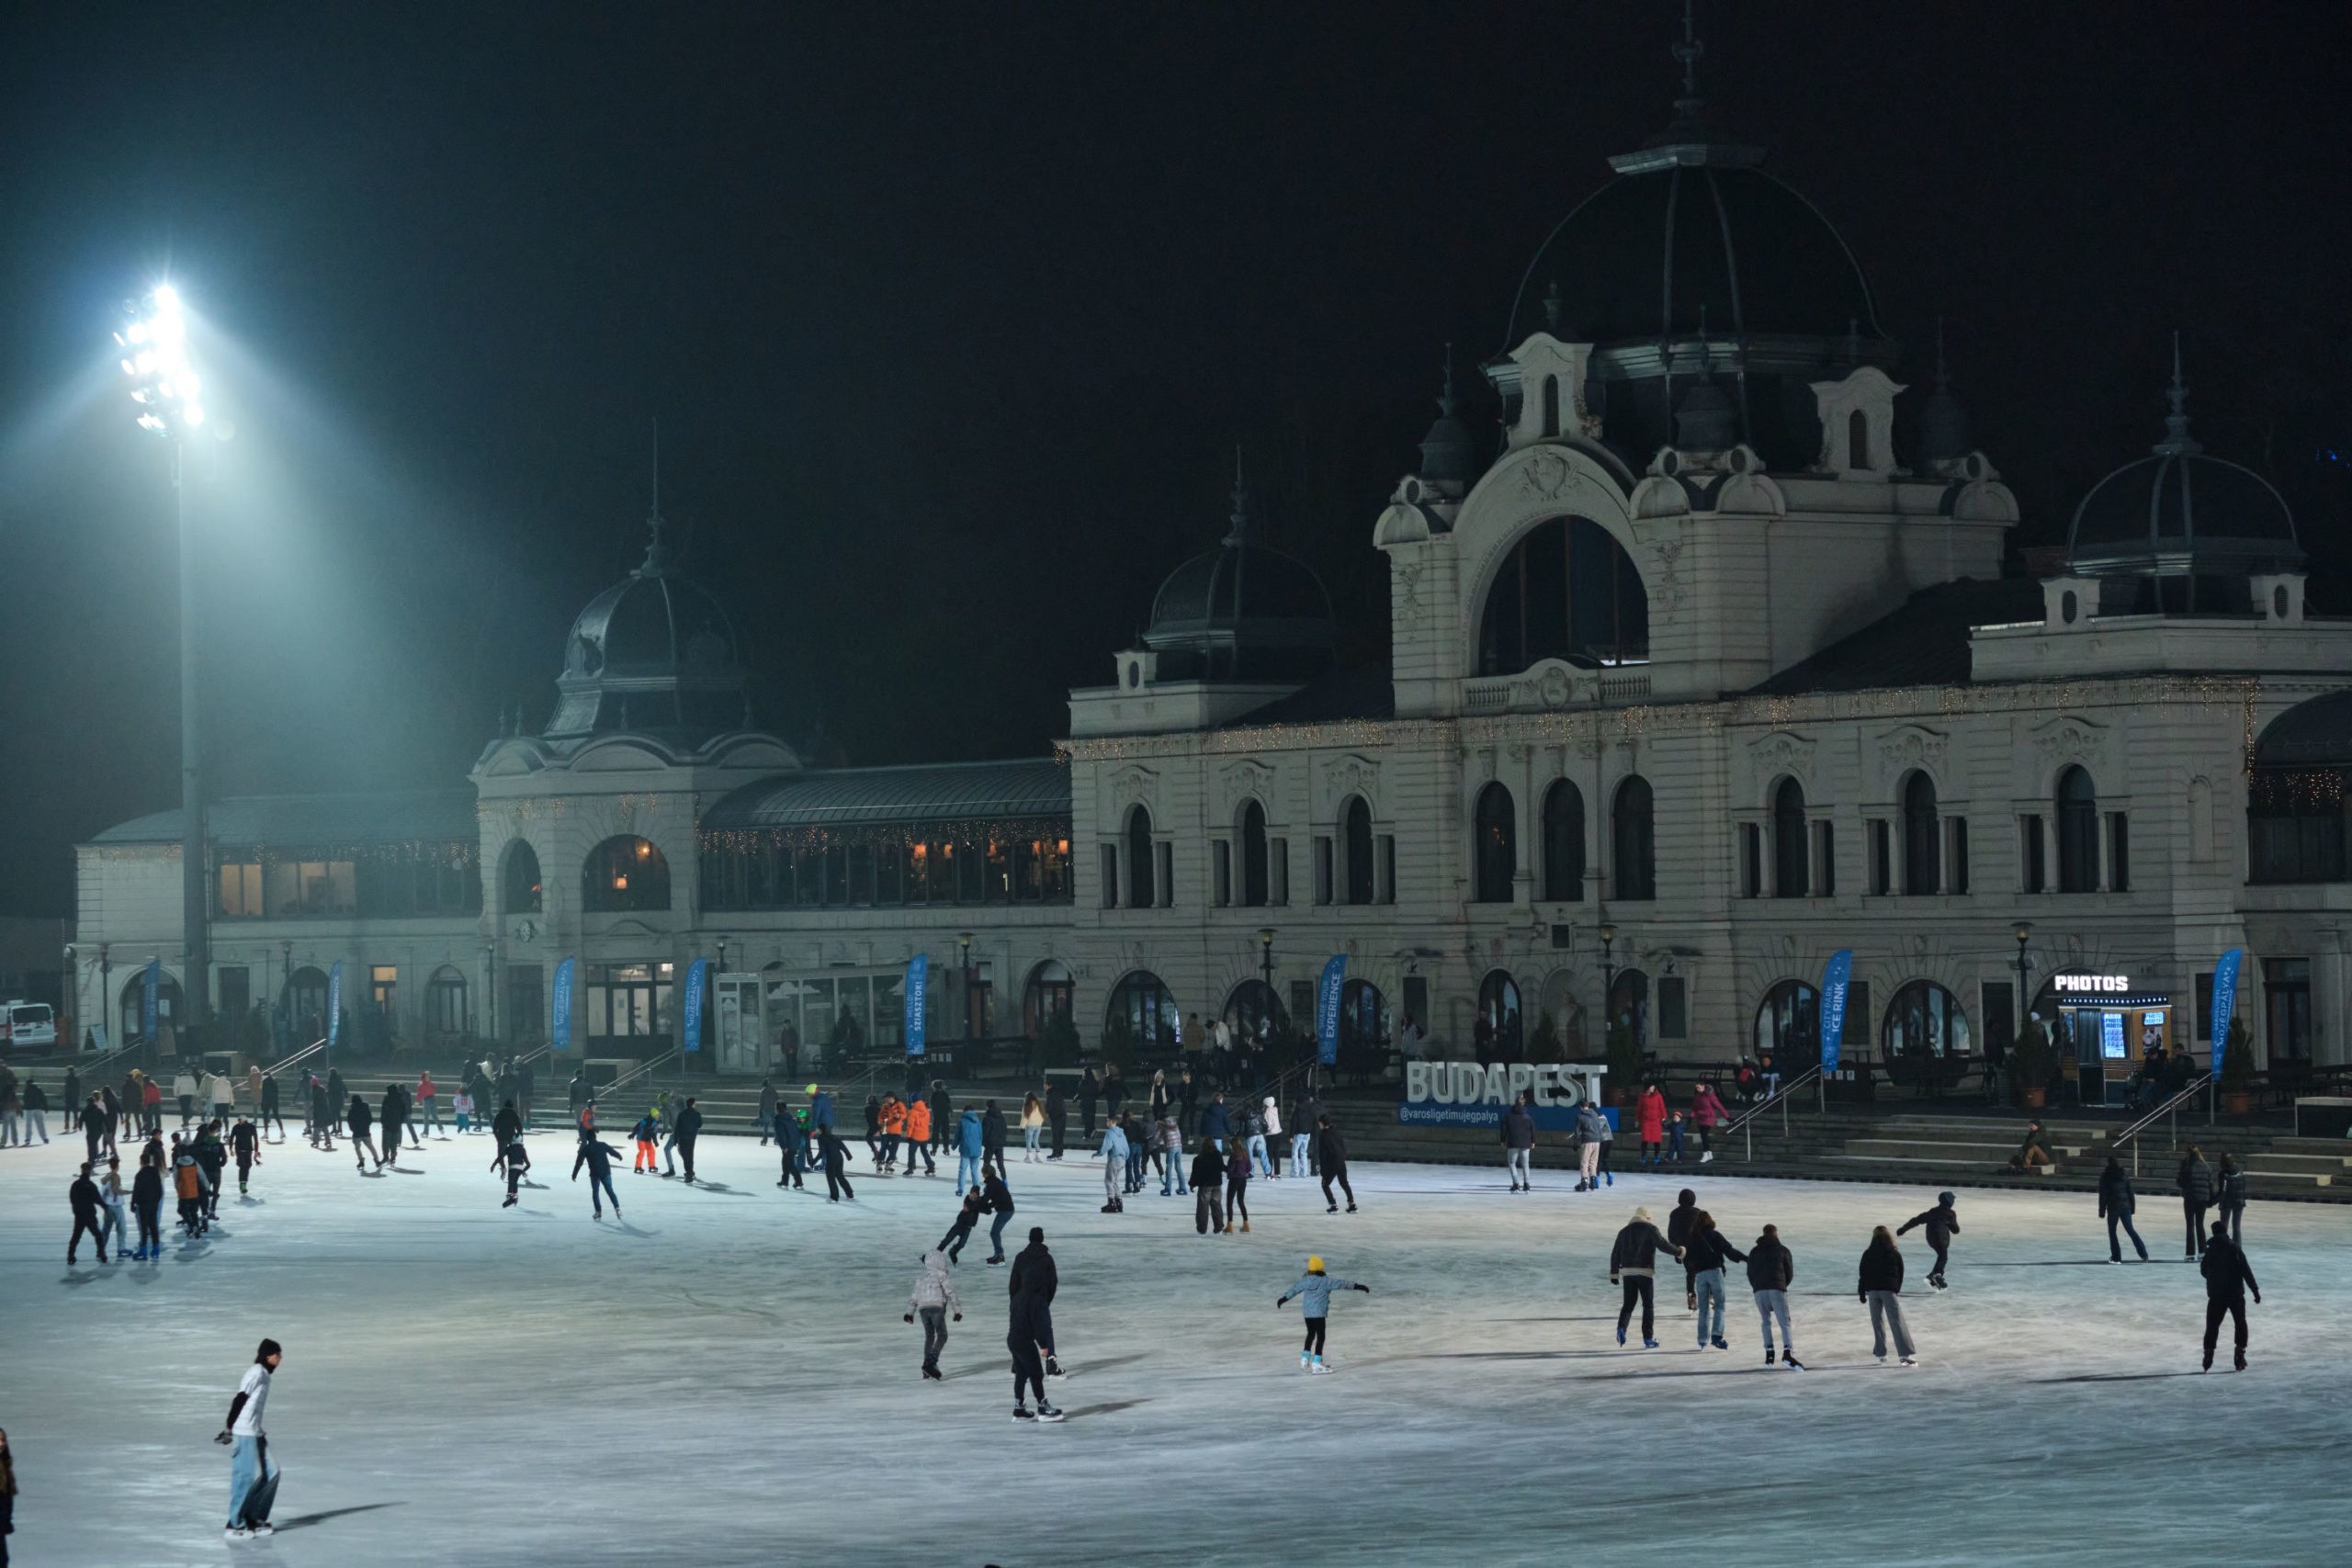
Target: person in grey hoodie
{"points": [[1313, 1293], [934, 1298], [1592, 1131]]}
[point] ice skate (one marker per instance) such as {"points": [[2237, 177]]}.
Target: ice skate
{"points": [[933, 1374], [1621, 1336], [1054, 1372], [1352, 1207], [1319, 1367], [237, 1532], [1332, 1209], [1720, 1344], [1908, 1361], [264, 1527], [1792, 1364], [1047, 1411], [1650, 1344], [1245, 1227], [1770, 1355], [508, 1204], [1023, 1413], [1306, 1360]]}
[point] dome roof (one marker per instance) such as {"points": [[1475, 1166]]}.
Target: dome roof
{"points": [[2182, 512], [1449, 452], [655, 653], [1241, 613]]}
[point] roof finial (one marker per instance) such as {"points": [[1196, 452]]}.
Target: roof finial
{"points": [[656, 557], [1688, 52], [1445, 400], [1943, 375], [1552, 308], [2176, 438], [1241, 502]]}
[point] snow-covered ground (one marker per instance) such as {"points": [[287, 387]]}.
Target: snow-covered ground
{"points": [[724, 1379]]}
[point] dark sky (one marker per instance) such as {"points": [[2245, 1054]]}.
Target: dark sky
{"points": [[951, 316]]}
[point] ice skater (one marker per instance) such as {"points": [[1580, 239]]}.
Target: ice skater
{"points": [[683, 1137], [1519, 1141], [2229, 1198], [1209, 1186], [1678, 1224], [253, 1481], [996, 1199], [147, 1204], [244, 1143], [934, 1298], [1029, 1332], [1331, 1159], [110, 1200], [1770, 1267], [968, 1149], [359, 1119], [598, 1156], [1650, 1112], [1313, 1293], [919, 1137], [1115, 1165], [791, 1149], [1941, 1225], [1881, 1285], [835, 1156], [82, 1196], [1237, 1194], [1170, 1143], [645, 1134], [2115, 1206], [1633, 1264], [1592, 1127], [1269, 1150], [517, 1160], [2228, 1277], [959, 1233], [1709, 1250], [1707, 1110]]}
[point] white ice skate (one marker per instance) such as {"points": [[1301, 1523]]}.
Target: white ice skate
{"points": [[1048, 1412], [1319, 1367]]}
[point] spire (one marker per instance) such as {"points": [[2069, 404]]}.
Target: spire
{"points": [[1449, 452], [2177, 439], [1943, 424], [1240, 535], [1690, 140], [1445, 398], [1690, 106], [1552, 308], [657, 557]]}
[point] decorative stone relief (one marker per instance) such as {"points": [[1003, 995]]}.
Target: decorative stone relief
{"points": [[1131, 787], [2064, 740], [1666, 585], [1912, 747], [1243, 779], [1781, 754], [1345, 776], [1549, 476]]}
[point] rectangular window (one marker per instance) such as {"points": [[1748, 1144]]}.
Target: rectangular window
{"points": [[1751, 861], [918, 873], [2286, 997], [1278, 870], [384, 993], [1052, 873], [1417, 999], [2034, 876], [241, 890], [1323, 877], [1221, 872], [997, 880], [1164, 857], [1386, 844], [890, 1008], [1673, 1008], [890, 873], [861, 874], [525, 1018], [2203, 1024], [1881, 856], [1855, 1034], [837, 874], [1999, 1014], [1955, 854], [1825, 858], [1110, 858], [236, 995], [1301, 1005], [2119, 852]]}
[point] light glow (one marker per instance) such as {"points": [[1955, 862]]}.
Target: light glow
{"points": [[165, 381]]}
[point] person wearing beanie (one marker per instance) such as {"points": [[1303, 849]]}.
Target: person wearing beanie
{"points": [[1770, 1267], [1632, 1262], [1029, 1334], [820, 1108], [1313, 1293], [1941, 1225], [253, 1481]]}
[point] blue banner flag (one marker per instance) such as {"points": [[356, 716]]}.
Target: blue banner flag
{"points": [[918, 1000], [2225, 1002], [560, 1037], [697, 976], [1326, 1008], [148, 986], [334, 1001], [1835, 977]]}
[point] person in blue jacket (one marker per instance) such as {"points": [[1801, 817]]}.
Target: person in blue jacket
{"points": [[1216, 1123], [969, 1142], [820, 1108], [792, 1144], [1114, 1166], [1313, 1293], [598, 1156]]}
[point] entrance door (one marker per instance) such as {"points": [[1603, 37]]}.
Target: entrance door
{"points": [[739, 1047]]}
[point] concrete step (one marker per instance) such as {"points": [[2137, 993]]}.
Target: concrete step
{"points": [[1952, 1149]]}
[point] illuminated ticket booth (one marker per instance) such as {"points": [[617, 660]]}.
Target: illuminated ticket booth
{"points": [[2111, 1025]]}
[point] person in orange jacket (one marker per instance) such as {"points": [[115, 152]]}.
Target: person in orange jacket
{"points": [[894, 1128], [918, 1126]]}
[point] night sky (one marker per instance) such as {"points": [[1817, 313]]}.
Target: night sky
{"points": [[953, 315]]}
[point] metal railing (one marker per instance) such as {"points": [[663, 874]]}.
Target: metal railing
{"points": [[297, 1058], [643, 1069], [1745, 1123], [2170, 1108]]}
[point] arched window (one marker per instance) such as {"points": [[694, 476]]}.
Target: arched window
{"points": [[1141, 1005], [1925, 1019], [1566, 590], [1858, 440], [1047, 995], [1253, 853], [1551, 406], [1629, 1005], [1563, 842], [445, 1003], [1788, 1024], [1633, 842], [1496, 850], [626, 874], [1921, 832], [1789, 855], [1363, 1016], [520, 892], [1254, 1012], [2078, 832], [1358, 818], [1140, 855], [1498, 1012], [167, 1004]]}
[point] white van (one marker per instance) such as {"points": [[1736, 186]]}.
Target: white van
{"points": [[27, 1026]]}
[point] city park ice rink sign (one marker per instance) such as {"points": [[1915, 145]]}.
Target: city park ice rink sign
{"points": [[1471, 1094]]}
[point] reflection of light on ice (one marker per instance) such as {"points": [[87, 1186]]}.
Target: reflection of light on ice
{"points": [[730, 1369]]}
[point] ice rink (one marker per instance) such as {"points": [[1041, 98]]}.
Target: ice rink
{"points": [[724, 1379]]}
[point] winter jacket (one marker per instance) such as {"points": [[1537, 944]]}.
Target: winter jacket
{"points": [[933, 1287], [1313, 1293], [147, 1187], [2228, 1276], [968, 1133], [1591, 1125], [997, 1197], [646, 1130], [2195, 1180], [1770, 1266], [918, 1122], [942, 1110], [268, 1094], [2115, 1193], [1679, 1224], [507, 1125], [1033, 1274], [820, 1110], [1057, 1102], [1519, 1128], [1115, 1143], [93, 1118], [1252, 1124], [1208, 1167], [83, 1196], [1031, 1115], [1651, 1108], [975, 1205], [1216, 1121], [244, 1142], [184, 1085], [689, 1123], [1707, 1107], [360, 1117], [1882, 1270], [1710, 1249], [894, 1119], [1330, 1149], [1274, 1118], [992, 1131], [1636, 1250], [2231, 1189], [1941, 1225], [767, 1102], [597, 1155], [217, 1091], [1172, 1137], [35, 1097]]}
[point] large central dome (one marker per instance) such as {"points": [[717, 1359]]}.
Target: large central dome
{"points": [[653, 654]]}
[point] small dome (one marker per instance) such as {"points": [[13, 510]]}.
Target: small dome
{"points": [[1943, 424], [1705, 420], [1449, 452], [655, 653], [1241, 613]]}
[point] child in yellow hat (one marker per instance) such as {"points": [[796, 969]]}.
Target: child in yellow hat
{"points": [[1314, 1294]]}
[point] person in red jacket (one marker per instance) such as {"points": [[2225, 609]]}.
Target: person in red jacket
{"points": [[1651, 1111]]}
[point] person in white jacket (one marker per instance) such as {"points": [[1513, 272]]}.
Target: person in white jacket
{"points": [[934, 1297], [1115, 1167], [184, 1090], [219, 1095], [1258, 1146]]}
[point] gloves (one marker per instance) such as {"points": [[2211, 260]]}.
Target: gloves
{"points": [[908, 1317], [222, 1438], [959, 1317], [1365, 1289]]}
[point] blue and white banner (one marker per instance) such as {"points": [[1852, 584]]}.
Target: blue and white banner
{"points": [[1836, 978], [559, 1036], [334, 1001], [918, 1000], [697, 978], [2225, 1003], [1326, 1008], [149, 984]]}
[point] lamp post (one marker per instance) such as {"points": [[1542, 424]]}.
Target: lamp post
{"points": [[964, 991], [1608, 978], [2023, 931], [106, 987], [489, 989], [1266, 969], [164, 386]]}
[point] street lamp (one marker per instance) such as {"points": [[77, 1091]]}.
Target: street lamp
{"points": [[1266, 975], [1608, 975], [165, 390], [964, 949], [2023, 931]]}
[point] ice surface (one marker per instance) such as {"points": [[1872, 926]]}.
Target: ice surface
{"points": [[725, 1379]]}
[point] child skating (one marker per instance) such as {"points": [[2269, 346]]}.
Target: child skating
{"points": [[517, 1161], [1941, 1225], [644, 1133], [934, 1297], [1314, 1295]]}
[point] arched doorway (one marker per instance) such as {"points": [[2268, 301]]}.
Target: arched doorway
{"points": [[1788, 1024], [1254, 1012], [1500, 1031], [1048, 994], [625, 875], [1923, 1020], [1363, 1017], [1143, 1007], [444, 1005], [1560, 1006], [1496, 850], [1629, 1004], [305, 1001], [132, 1012]]}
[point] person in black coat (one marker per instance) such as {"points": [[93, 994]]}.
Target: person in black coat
{"points": [[1880, 1284], [2195, 1181], [1632, 1260], [943, 1121], [598, 1156], [147, 1209], [360, 1119], [93, 1118], [2115, 1205], [1770, 1267], [2228, 1277], [689, 1128], [992, 1138], [835, 1157], [996, 1199], [269, 1107], [1089, 1093], [1705, 1258], [1678, 1230], [1331, 1160], [1941, 1225], [84, 1197], [1208, 1189], [1056, 1116], [1030, 1333]]}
